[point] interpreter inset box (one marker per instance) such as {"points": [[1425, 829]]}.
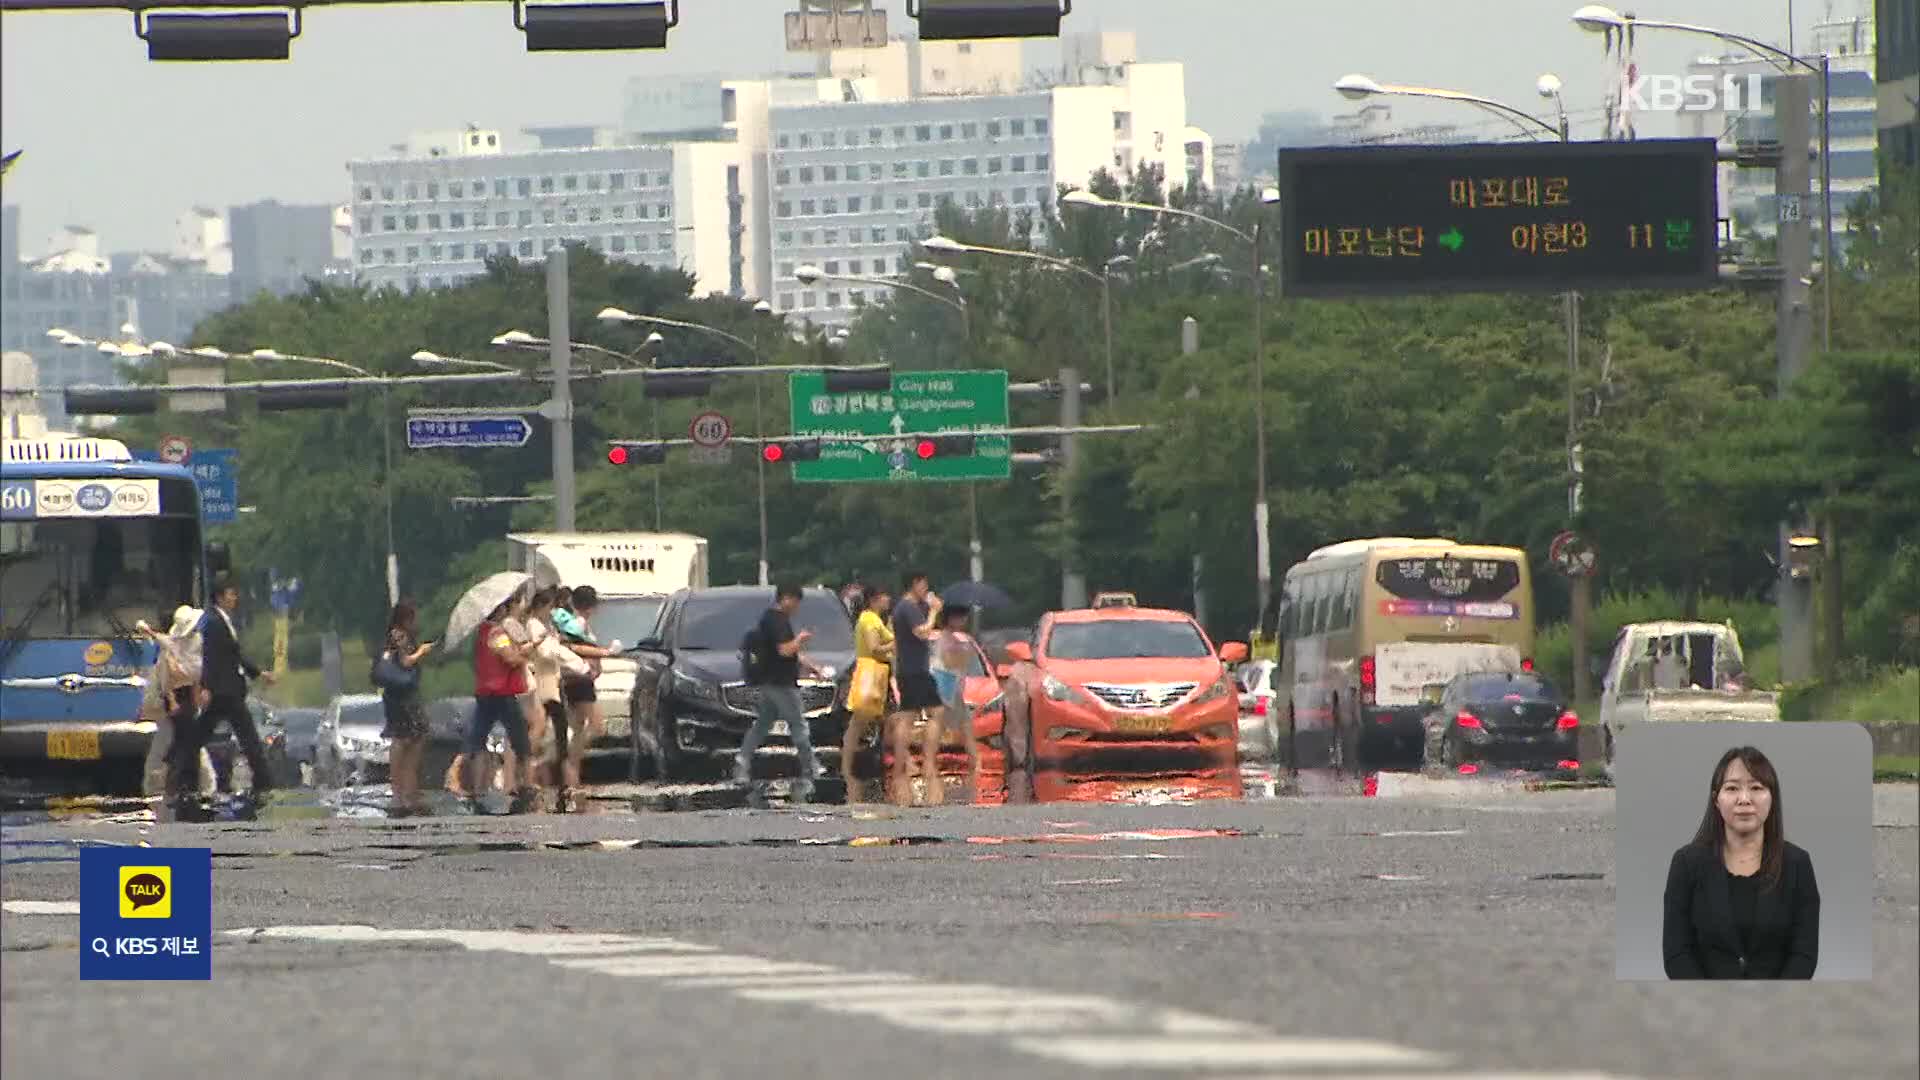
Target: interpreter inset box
{"points": [[1743, 851]]}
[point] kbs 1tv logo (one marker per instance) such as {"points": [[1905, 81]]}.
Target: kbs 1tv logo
{"points": [[1727, 93]]}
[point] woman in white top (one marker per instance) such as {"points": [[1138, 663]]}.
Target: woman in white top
{"points": [[173, 692], [551, 660]]}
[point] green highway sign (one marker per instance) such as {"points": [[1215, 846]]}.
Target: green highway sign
{"points": [[921, 403]]}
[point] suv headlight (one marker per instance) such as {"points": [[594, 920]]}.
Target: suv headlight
{"points": [[1220, 688], [695, 688], [1059, 691]]}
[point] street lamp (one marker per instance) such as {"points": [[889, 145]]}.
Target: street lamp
{"points": [[944, 245], [620, 315], [1263, 566], [1356, 87], [809, 274], [426, 357], [520, 339], [1600, 19]]}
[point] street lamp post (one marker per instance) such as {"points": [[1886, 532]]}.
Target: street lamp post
{"points": [[617, 315], [947, 246], [1263, 552], [808, 275], [1793, 593]]}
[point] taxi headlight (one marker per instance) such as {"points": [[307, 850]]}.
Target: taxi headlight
{"points": [[1059, 691], [1221, 688]]}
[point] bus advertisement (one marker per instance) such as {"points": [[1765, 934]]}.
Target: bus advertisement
{"points": [[91, 543], [1366, 625]]}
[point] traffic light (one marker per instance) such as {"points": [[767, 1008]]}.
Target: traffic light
{"points": [[777, 453], [939, 446], [587, 27], [638, 454], [111, 402], [667, 384], [959, 20], [240, 36], [324, 397], [859, 382]]}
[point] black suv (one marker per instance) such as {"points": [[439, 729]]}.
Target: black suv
{"points": [[690, 702]]}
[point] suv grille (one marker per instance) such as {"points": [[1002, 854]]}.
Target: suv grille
{"points": [[814, 697]]}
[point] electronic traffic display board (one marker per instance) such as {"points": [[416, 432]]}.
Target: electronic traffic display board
{"points": [[1499, 217]]}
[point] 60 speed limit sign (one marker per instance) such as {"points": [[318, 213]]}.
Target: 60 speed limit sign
{"points": [[710, 430]]}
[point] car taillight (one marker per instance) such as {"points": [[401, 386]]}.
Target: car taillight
{"points": [[1469, 769], [1466, 719], [1570, 765], [1366, 679], [1259, 706], [1568, 721], [1526, 664]]}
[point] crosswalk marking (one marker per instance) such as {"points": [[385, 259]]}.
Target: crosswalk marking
{"points": [[1192, 1052], [1086, 1030]]}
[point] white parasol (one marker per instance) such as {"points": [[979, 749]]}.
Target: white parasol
{"points": [[479, 602]]}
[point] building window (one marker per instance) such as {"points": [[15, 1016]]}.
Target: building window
{"points": [[995, 198], [389, 223], [806, 175], [783, 176], [619, 213], [729, 106], [833, 299], [781, 142], [546, 185], [993, 129], [807, 238], [412, 222], [830, 173], [457, 252], [1017, 163], [926, 200], [806, 140], [593, 214], [786, 270], [457, 221], [899, 202], [900, 170], [969, 131], [830, 237], [874, 136], [829, 206], [593, 182], [853, 204], [413, 192], [946, 132], [946, 167], [525, 187], [808, 208], [1017, 127], [572, 216], [640, 211], [1019, 196], [853, 138], [973, 199], [806, 300], [526, 218], [499, 189], [786, 301], [502, 219], [1042, 162], [617, 243], [923, 133], [1039, 125], [878, 235], [433, 189], [413, 254], [502, 248], [900, 233], [388, 256], [665, 212], [993, 166], [366, 194], [786, 239], [785, 209], [971, 166], [433, 222], [366, 224], [526, 248], [617, 182], [546, 217], [833, 266], [828, 138]]}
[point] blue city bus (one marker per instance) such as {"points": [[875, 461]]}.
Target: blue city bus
{"points": [[91, 542]]}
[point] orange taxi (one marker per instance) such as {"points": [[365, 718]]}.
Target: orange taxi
{"points": [[1120, 678]]}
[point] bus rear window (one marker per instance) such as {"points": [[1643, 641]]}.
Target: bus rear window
{"points": [[1448, 578]]}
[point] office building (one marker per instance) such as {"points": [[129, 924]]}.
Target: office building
{"points": [[9, 237], [1747, 195], [1897, 75], [277, 248]]}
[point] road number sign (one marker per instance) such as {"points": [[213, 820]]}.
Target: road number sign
{"points": [[710, 429], [176, 449]]}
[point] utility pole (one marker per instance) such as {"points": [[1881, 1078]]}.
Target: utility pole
{"points": [[1073, 583], [1580, 609], [560, 349], [1190, 344], [1262, 548], [1793, 340], [386, 481]]}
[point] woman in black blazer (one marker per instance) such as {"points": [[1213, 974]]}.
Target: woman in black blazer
{"points": [[1742, 903]]}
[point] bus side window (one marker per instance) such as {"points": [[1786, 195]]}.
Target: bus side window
{"points": [[1289, 610], [1317, 587], [1349, 599]]}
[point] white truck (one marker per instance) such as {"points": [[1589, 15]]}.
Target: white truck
{"points": [[633, 573], [1684, 671]]}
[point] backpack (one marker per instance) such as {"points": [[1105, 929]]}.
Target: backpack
{"points": [[753, 657]]}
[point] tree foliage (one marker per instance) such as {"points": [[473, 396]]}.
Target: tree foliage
{"points": [[1388, 417]]}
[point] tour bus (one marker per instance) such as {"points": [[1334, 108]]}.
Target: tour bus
{"points": [[1366, 627], [91, 542]]}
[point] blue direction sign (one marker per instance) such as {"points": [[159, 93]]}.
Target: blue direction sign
{"points": [[426, 432], [217, 474]]}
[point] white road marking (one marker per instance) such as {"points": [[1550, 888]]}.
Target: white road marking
{"points": [[1087, 1030], [1136, 1052], [41, 907]]}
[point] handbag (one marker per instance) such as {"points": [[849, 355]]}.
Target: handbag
{"points": [[868, 692], [392, 676]]}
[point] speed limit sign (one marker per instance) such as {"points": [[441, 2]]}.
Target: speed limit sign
{"points": [[176, 449], [710, 430]]}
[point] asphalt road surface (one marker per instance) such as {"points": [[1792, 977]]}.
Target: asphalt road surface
{"points": [[1446, 928]]}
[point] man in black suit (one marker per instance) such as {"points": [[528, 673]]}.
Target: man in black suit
{"points": [[225, 672]]}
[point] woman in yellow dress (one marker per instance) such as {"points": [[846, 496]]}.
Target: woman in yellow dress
{"points": [[868, 689]]}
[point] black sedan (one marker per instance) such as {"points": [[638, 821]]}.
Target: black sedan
{"points": [[691, 704], [1516, 719]]}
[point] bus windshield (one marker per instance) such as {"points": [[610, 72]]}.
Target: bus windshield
{"points": [[94, 577]]}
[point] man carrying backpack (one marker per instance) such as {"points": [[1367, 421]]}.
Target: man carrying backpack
{"points": [[771, 658]]}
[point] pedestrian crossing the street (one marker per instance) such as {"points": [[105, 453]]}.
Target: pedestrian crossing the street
{"points": [[1091, 1031]]}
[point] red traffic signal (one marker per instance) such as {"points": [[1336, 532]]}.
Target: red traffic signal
{"points": [[943, 446], [773, 452], [925, 449], [617, 455], [638, 454], [794, 450]]}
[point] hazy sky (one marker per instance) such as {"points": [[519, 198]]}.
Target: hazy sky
{"points": [[121, 144]]}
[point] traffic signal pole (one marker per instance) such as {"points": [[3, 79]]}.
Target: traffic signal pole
{"points": [[560, 351], [1793, 340], [1073, 582]]}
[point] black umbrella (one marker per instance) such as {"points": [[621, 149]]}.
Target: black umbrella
{"points": [[975, 594]]}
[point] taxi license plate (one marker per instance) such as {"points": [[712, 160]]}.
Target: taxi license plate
{"points": [[73, 745], [1142, 725]]}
